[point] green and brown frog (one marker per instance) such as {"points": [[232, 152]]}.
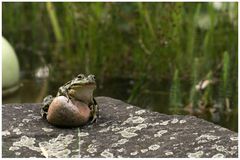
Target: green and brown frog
{"points": [[74, 103]]}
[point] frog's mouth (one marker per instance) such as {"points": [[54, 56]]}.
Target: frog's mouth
{"points": [[87, 85]]}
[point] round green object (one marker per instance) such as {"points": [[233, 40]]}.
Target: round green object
{"points": [[10, 68]]}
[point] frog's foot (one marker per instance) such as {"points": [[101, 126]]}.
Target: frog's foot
{"points": [[43, 113], [94, 113], [45, 105]]}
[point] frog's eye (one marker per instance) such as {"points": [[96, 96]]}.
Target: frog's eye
{"points": [[80, 76], [92, 76]]}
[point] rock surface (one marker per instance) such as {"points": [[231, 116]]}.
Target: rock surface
{"points": [[122, 130]]}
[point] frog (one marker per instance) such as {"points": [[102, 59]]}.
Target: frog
{"points": [[80, 89]]}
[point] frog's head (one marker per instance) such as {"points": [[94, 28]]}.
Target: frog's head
{"points": [[82, 87], [82, 81]]}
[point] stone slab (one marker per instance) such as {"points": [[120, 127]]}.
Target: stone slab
{"points": [[122, 130]]}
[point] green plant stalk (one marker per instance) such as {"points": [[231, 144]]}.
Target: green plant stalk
{"points": [[175, 100], [209, 40], [34, 23], [207, 97], [68, 29], [192, 34], [136, 89], [145, 14], [225, 70], [193, 94], [227, 82], [177, 30], [54, 21]]}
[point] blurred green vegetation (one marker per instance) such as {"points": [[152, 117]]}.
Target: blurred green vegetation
{"points": [[143, 41]]}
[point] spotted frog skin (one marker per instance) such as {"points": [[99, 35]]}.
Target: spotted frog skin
{"points": [[79, 89]]}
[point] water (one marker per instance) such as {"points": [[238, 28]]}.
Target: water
{"points": [[153, 96]]}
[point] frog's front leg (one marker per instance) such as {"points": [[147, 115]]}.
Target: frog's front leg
{"points": [[45, 105], [94, 111], [62, 91]]}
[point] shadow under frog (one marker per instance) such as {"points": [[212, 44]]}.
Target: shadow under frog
{"points": [[74, 104]]}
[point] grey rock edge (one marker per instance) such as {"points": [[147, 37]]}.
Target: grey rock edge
{"points": [[122, 130]]}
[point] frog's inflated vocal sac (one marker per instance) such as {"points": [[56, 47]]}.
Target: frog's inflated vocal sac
{"points": [[74, 102]]}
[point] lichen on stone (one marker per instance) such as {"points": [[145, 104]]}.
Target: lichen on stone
{"points": [[103, 124], [94, 140], [83, 134], [57, 147], [168, 153], [212, 131], [154, 147], [221, 128], [105, 129], [13, 148], [17, 153], [121, 150], [141, 126], [218, 155], [177, 144], [197, 154], [18, 107], [134, 153], [172, 138], [81, 142], [25, 120], [182, 121], [206, 137], [221, 148], [202, 141], [114, 129], [135, 119], [47, 129], [62, 154], [129, 107], [234, 147], [6, 133], [198, 148], [30, 115], [86, 156], [164, 122], [20, 124], [26, 142], [160, 133], [139, 112], [175, 120], [153, 124], [92, 148], [127, 134], [107, 154], [120, 142], [76, 156], [130, 131], [234, 138], [36, 117], [144, 150], [17, 131]]}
